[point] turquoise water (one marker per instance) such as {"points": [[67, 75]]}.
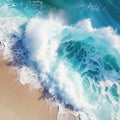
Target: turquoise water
{"points": [[71, 48]]}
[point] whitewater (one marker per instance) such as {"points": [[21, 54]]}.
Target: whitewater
{"points": [[71, 49]]}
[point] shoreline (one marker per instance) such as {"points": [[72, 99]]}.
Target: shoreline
{"points": [[18, 102]]}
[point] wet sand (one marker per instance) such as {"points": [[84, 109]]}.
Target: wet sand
{"points": [[18, 102]]}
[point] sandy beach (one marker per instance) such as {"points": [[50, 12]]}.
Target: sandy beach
{"points": [[18, 102]]}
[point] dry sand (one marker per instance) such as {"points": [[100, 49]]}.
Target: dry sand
{"points": [[17, 102]]}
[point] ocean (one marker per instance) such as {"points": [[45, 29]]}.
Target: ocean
{"points": [[69, 47]]}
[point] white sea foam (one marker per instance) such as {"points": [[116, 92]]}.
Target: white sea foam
{"points": [[27, 76], [10, 21], [44, 36], [107, 33]]}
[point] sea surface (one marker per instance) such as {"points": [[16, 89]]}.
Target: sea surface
{"points": [[69, 47]]}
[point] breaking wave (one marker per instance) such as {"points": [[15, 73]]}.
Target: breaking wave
{"points": [[77, 64]]}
